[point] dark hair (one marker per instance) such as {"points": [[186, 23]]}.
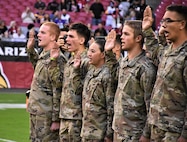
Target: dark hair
{"points": [[118, 39], [82, 30], [180, 9], [65, 29], [30, 26], [101, 43]]}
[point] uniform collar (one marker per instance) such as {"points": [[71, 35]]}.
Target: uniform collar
{"points": [[44, 54], [174, 52], [131, 63]]}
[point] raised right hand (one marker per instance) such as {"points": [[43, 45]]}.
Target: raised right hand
{"points": [[55, 51], [31, 40], [110, 40], [77, 60], [147, 18]]}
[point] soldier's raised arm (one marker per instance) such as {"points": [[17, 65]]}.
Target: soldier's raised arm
{"points": [[110, 58], [32, 54], [147, 18], [151, 40]]}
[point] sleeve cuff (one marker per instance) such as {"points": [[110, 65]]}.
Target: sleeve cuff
{"points": [[148, 32]]}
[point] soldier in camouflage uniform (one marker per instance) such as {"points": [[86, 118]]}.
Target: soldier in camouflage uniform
{"points": [[71, 99], [168, 107], [98, 97], [44, 100], [136, 76]]}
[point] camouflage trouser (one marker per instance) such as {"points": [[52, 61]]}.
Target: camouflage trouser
{"points": [[158, 135], [40, 130], [70, 130], [126, 138], [89, 140]]}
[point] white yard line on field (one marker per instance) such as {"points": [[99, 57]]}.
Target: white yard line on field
{"points": [[5, 140], [5, 106]]}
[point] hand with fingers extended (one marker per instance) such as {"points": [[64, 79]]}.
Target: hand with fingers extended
{"points": [[77, 61], [147, 18], [110, 40], [31, 40], [54, 53]]}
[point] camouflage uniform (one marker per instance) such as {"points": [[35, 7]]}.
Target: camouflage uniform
{"points": [[97, 105], [71, 102], [168, 105], [44, 100], [131, 104]]}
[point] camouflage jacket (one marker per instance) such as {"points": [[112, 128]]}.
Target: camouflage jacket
{"points": [[46, 85], [71, 98], [168, 108], [97, 104], [131, 104]]}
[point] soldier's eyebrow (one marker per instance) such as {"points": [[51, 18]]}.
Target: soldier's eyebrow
{"points": [[61, 37], [70, 35], [43, 32], [93, 50], [125, 33]]}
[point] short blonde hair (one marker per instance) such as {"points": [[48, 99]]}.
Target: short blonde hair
{"points": [[137, 26], [54, 29]]}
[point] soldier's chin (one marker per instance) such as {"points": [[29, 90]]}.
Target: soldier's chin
{"points": [[90, 62], [70, 50], [40, 44]]}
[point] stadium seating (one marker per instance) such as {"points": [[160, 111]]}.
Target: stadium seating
{"points": [[11, 10], [159, 12]]}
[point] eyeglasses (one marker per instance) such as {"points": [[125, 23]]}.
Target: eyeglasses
{"points": [[168, 20]]}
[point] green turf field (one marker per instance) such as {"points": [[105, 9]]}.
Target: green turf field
{"points": [[14, 123], [12, 98]]}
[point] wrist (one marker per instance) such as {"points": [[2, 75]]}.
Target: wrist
{"points": [[53, 59]]}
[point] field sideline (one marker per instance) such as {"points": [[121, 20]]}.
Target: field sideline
{"points": [[6, 106], [14, 119]]}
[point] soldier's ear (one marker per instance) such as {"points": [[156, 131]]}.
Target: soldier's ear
{"points": [[53, 37], [82, 40], [139, 38], [102, 55], [183, 24]]}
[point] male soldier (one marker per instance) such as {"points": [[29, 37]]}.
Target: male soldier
{"points": [[71, 99], [168, 105], [136, 76], [44, 100]]}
